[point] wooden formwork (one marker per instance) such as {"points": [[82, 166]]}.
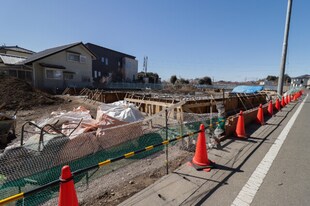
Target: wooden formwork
{"points": [[151, 105], [233, 104], [102, 96]]}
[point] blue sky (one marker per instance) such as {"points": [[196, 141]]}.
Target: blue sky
{"points": [[233, 40]]}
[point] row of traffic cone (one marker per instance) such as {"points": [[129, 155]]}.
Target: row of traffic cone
{"points": [[201, 161], [240, 128]]}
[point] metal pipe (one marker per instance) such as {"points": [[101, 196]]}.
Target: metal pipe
{"points": [[23, 130]]}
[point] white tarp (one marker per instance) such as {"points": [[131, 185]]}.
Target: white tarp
{"points": [[120, 110]]}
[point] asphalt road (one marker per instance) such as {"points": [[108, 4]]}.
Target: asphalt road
{"points": [[288, 180]]}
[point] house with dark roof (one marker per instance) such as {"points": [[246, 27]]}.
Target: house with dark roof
{"points": [[112, 65], [55, 68], [60, 67]]}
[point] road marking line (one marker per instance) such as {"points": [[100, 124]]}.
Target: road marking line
{"points": [[247, 193]]}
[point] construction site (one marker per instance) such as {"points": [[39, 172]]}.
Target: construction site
{"points": [[131, 135]]}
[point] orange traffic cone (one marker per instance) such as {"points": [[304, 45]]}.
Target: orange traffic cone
{"points": [[270, 108], [287, 99], [260, 115], [278, 106], [283, 103], [298, 94], [67, 194], [294, 98], [240, 129], [200, 160]]}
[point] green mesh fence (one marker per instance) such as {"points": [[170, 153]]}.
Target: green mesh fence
{"points": [[25, 168]]}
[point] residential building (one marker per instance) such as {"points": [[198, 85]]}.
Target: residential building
{"points": [[15, 51], [60, 67], [11, 58], [55, 68], [300, 80], [112, 66]]}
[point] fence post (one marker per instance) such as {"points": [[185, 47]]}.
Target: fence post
{"points": [[167, 171]]}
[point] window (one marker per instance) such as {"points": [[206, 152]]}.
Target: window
{"points": [[99, 74], [119, 64], [106, 61], [102, 59], [73, 57], [76, 57], [83, 59], [53, 74], [95, 74]]}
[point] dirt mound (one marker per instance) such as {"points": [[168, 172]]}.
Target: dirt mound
{"points": [[16, 93]]}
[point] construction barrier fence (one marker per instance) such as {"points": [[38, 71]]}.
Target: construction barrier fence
{"points": [[98, 165], [29, 174]]}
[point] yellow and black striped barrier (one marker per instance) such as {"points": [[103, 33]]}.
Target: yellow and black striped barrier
{"points": [[100, 164], [28, 193]]}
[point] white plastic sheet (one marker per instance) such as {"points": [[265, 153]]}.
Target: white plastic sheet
{"points": [[120, 110]]}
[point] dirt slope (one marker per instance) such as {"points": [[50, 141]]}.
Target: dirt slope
{"points": [[16, 93]]}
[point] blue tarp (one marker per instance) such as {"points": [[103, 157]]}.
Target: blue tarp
{"points": [[247, 89]]}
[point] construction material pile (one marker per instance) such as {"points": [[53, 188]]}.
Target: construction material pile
{"points": [[19, 94], [65, 137]]}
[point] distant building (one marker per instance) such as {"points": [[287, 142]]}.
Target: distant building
{"points": [[266, 83], [112, 66], [300, 80]]}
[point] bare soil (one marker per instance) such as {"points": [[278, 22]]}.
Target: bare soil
{"points": [[19, 94]]}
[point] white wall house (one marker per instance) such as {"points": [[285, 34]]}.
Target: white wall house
{"points": [[60, 67], [300, 81]]}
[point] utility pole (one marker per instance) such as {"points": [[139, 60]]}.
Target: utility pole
{"points": [[284, 49]]}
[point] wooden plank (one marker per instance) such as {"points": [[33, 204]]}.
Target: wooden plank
{"points": [[162, 112]]}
